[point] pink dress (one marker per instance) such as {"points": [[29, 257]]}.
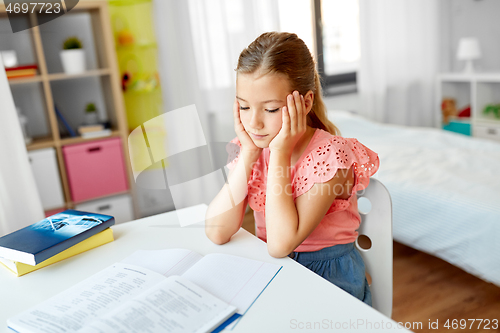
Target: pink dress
{"points": [[323, 156]]}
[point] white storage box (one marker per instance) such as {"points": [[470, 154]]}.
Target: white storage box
{"points": [[119, 206], [48, 181]]}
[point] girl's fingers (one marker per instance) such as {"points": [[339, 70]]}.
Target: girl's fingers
{"points": [[292, 112], [286, 119], [298, 106], [304, 115]]}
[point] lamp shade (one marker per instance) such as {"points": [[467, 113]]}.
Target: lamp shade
{"points": [[468, 48]]}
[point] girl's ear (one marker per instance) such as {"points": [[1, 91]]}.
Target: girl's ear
{"points": [[309, 100]]}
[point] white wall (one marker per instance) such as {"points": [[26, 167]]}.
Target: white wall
{"points": [[348, 102], [473, 18]]}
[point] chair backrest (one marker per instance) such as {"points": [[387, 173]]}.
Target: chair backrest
{"points": [[376, 224]]}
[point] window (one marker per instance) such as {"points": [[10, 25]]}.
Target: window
{"points": [[337, 44]]}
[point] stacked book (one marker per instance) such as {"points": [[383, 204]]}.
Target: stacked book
{"points": [[93, 131], [53, 239], [21, 71]]}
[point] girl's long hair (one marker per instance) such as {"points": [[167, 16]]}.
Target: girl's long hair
{"points": [[285, 53]]}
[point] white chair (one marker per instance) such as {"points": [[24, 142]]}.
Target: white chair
{"points": [[376, 224]]}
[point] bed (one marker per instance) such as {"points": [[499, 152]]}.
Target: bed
{"points": [[445, 190]]}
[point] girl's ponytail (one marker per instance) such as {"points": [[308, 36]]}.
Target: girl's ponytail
{"points": [[318, 117]]}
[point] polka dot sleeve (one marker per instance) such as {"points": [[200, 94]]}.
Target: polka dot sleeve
{"points": [[322, 163]]}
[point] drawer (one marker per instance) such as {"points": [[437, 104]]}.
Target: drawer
{"points": [[47, 178], [95, 169], [487, 131], [120, 207]]}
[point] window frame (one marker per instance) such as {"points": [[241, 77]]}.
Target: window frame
{"points": [[345, 82]]}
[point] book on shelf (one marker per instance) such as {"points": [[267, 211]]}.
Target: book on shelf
{"points": [[19, 268], [90, 128], [41, 240], [21, 71], [71, 132], [17, 68], [96, 134], [172, 290]]}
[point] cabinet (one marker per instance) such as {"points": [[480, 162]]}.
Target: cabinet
{"points": [[37, 96], [477, 90]]}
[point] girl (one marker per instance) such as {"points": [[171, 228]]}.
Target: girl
{"points": [[293, 169]]}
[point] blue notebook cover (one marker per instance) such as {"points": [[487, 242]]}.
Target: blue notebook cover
{"points": [[64, 122], [46, 238]]}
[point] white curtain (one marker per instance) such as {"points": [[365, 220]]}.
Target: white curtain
{"points": [[198, 43], [399, 60], [221, 29], [19, 202]]}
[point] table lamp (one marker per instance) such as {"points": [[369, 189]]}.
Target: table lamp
{"points": [[468, 50]]}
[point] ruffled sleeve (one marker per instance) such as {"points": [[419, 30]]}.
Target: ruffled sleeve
{"points": [[322, 163], [233, 149]]}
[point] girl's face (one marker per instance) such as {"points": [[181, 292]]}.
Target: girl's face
{"points": [[261, 99]]}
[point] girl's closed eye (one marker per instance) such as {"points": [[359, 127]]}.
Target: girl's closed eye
{"points": [[273, 110], [244, 107]]}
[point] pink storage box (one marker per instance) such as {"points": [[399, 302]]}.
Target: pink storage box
{"points": [[54, 211], [95, 169]]}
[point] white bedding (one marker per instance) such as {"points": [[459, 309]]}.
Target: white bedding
{"points": [[445, 190]]}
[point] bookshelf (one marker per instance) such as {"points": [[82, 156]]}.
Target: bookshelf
{"points": [[477, 90], [100, 83]]}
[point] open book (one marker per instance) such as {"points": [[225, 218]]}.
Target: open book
{"points": [[174, 290]]}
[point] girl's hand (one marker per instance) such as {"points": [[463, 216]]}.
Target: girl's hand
{"points": [[247, 144], [294, 124]]}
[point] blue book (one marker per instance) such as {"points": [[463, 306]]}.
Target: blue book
{"points": [[64, 122], [46, 238]]}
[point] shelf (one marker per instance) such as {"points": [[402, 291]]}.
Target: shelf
{"points": [[90, 73], [487, 77], [468, 77], [37, 95], [142, 91], [40, 143], [23, 80], [487, 121], [475, 90], [455, 77], [136, 46], [79, 139]]}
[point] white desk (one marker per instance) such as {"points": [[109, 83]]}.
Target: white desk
{"points": [[293, 299]]}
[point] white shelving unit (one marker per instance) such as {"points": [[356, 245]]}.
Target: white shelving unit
{"points": [[474, 89], [37, 97]]}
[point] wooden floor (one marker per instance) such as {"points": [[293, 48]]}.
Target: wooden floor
{"points": [[428, 289]]}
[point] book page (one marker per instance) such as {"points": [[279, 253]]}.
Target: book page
{"points": [[71, 309], [175, 305], [167, 262], [235, 280]]}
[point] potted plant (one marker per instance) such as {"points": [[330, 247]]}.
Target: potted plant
{"points": [[91, 114], [73, 56]]}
